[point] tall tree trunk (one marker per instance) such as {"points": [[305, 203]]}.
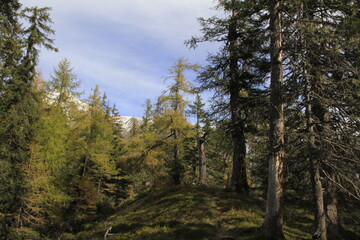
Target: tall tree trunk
{"points": [[332, 219], [202, 162], [194, 165], [319, 216], [330, 198], [318, 195], [238, 181], [273, 225], [318, 129], [177, 169], [314, 128], [319, 132]]}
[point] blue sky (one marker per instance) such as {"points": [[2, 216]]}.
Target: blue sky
{"points": [[125, 46]]}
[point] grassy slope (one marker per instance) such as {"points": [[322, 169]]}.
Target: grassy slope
{"points": [[196, 213]]}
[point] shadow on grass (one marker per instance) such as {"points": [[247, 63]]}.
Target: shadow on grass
{"points": [[348, 235], [301, 223], [244, 231], [124, 228], [195, 231]]}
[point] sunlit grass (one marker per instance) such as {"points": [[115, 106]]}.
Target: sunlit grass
{"points": [[186, 212]]}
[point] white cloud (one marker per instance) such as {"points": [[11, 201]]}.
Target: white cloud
{"points": [[125, 46]]}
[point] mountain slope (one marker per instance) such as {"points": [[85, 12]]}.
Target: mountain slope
{"points": [[194, 213]]}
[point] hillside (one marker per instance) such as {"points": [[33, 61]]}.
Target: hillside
{"points": [[195, 213]]}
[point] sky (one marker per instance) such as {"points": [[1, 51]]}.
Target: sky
{"points": [[124, 46]]}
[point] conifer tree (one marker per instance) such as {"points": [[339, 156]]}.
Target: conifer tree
{"points": [[202, 129], [236, 73], [100, 143], [18, 101], [10, 57], [146, 154], [10, 41], [49, 180], [37, 34], [175, 115], [63, 84], [274, 206], [321, 80], [46, 172], [148, 114]]}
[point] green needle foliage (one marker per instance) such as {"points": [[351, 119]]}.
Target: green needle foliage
{"points": [[19, 104], [71, 168]]}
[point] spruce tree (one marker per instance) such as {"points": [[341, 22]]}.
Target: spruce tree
{"points": [[18, 101], [323, 82]]}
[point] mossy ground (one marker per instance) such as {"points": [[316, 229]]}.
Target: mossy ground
{"points": [[185, 212]]}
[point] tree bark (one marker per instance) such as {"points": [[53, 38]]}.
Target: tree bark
{"points": [[318, 129], [330, 197], [177, 168], [317, 121], [273, 225], [202, 162], [238, 177], [238, 181], [319, 216], [314, 128], [319, 132]]}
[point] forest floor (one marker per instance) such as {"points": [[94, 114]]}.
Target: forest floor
{"points": [[185, 212]]}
